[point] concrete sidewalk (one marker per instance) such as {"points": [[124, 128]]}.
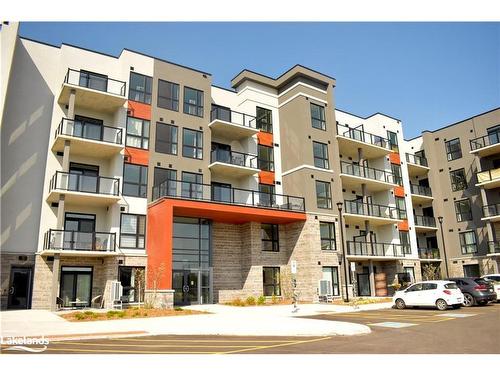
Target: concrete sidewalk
{"points": [[223, 320]]}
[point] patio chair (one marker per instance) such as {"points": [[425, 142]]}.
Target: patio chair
{"points": [[97, 300], [59, 303]]}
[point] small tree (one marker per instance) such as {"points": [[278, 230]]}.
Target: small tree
{"points": [[155, 274], [431, 272]]}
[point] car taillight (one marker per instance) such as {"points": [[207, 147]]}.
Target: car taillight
{"points": [[447, 292], [481, 287]]}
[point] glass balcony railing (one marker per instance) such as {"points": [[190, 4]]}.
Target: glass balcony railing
{"points": [[85, 184], [369, 209], [421, 190], [238, 118], [79, 241], [487, 176], [494, 247], [425, 221], [377, 249], [234, 158], [485, 141], [425, 253], [362, 136], [95, 81], [415, 159], [90, 131], [370, 173], [491, 210]]}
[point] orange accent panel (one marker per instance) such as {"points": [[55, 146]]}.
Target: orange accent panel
{"points": [[403, 225], [399, 192], [265, 139], [395, 158], [266, 177], [137, 155], [139, 110]]}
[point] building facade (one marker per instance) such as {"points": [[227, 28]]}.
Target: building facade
{"points": [[134, 169]]}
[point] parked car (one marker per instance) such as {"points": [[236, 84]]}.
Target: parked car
{"points": [[495, 279], [439, 293], [476, 291]]}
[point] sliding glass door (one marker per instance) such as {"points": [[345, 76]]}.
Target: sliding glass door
{"points": [[76, 286]]}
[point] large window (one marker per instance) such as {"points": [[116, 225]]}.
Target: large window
{"points": [[135, 180], [320, 152], [192, 144], [161, 175], [468, 242], [132, 231], [270, 237], [193, 102], [393, 139], [166, 138], [458, 179], [401, 207], [453, 149], [318, 116], [137, 133], [323, 194], [265, 158], [271, 281], [331, 274], [140, 88], [133, 283], [327, 234], [463, 210], [404, 238], [191, 244], [168, 95], [264, 120], [396, 172]]}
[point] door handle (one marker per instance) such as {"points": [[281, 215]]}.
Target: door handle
{"points": [[11, 290]]}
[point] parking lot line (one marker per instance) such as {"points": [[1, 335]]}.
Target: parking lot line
{"points": [[77, 350], [75, 343], [275, 346], [202, 340]]}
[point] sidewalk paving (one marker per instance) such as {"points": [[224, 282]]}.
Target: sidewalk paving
{"points": [[223, 320]]}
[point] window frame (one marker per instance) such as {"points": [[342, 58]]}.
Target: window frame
{"points": [[275, 236], [137, 234], [451, 154], [328, 195], [144, 92], [461, 215], [402, 214], [197, 106], [322, 158], [275, 284], [140, 184], [268, 128], [168, 143], [265, 164], [462, 235], [455, 186], [321, 119], [141, 137], [195, 147], [331, 232], [394, 145], [172, 99]]}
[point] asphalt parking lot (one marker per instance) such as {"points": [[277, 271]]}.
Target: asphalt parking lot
{"points": [[467, 330]]}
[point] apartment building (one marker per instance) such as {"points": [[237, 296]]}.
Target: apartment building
{"points": [[134, 169]]}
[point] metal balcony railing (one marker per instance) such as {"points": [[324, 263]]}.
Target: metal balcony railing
{"points": [[85, 184], [238, 118], [370, 173], [362, 136], [370, 209], [228, 195], [425, 253], [89, 130], [425, 221], [239, 159], [421, 190], [56, 239], [494, 247], [415, 159], [491, 210], [487, 176], [95, 81], [377, 249], [484, 141]]}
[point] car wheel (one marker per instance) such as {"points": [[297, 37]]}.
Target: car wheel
{"points": [[468, 300], [441, 304], [400, 304], [457, 306]]}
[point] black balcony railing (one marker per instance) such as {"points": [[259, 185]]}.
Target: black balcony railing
{"points": [[89, 130], [425, 221], [234, 158], [56, 239], [238, 118], [377, 249], [228, 195], [356, 207], [494, 247], [484, 141], [424, 253], [370, 173], [491, 210], [415, 159], [362, 136], [95, 81], [421, 190], [85, 184], [487, 176]]}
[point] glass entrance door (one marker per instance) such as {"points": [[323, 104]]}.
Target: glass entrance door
{"points": [[191, 287], [76, 286], [19, 288], [363, 284]]}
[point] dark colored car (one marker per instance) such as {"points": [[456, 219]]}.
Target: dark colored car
{"points": [[476, 290]]}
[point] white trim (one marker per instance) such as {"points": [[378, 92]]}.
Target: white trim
{"points": [[274, 96], [302, 94], [302, 84], [308, 167]]}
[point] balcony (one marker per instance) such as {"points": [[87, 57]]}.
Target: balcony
{"points": [[79, 243], [486, 145], [424, 223], [373, 146], [234, 164], [357, 212], [431, 255], [420, 194], [489, 179], [367, 250], [88, 139], [93, 90], [231, 124], [491, 212], [83, 189], [493, 248], [375, 179], [417, 165]]}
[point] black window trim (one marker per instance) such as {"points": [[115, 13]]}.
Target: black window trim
{"points": [[134, 183], [322, 121], [137, 234], [270, 163], [192, 147], [167, 142], [325, 159], [450, 153], [158, 96], [142, 137], [257, 119], [328, 197], [460, 214], [202, 106], [273, 241], [276, 280], [130, 89], [454, 185], [331, 232]]}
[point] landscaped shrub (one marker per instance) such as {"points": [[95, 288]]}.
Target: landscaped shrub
{"points": [[274, 299], [261, 300], [251, 301]]}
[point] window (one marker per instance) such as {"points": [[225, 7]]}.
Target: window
{"points": [[463, 210], [427, 286], [168, 95], [133, 282], [401, 207], [266, 195], [415, 288], [327, 234], [468, 242], [320, 152], [332, 274], [323, 195], [135, 180], [453, 149], [396, 172], [264, 120], [265, 158], [166, 139], [410, 271], [137, 133], [404, 238], [132, 231], [161, 175], [192, 185], [193, 102], [192, 144], [140, 88], [271, 281], [458, 180], [471, 270], [318, 116], [191, 246], [393, 140], [221, 192], [270, 237]]}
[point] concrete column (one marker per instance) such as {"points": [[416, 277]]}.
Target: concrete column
{"points": [[65, 162], [372, 278], [71, 104], [60, 212], [55, 282]]}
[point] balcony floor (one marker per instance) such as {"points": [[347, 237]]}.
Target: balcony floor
{"points": [[93, 99], [78, 253], [491, 184], [90, 199], [493, 219], [421, 199], [350, 181], [349, 147], [417, 170], [231, 130], [86, 147], [488, 150], [232, 170], [374, 220], [423, 229], [378, 257]]}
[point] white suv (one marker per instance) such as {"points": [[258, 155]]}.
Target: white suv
{"points": [[495, 280], [439, 293]]}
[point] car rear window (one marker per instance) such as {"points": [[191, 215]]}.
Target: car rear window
{"points": [[481, 282], [450, 286]]}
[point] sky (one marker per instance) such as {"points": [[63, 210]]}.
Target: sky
{"points": [[428, 75]]}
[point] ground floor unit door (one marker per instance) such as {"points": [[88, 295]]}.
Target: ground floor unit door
{"points": [[192, 286], [76, 286], [363, 280], [20, 288]]}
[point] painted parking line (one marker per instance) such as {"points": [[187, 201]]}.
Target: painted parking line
{"points": [[201, 340], [455, 315], [277, 345], [393, 324]]}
